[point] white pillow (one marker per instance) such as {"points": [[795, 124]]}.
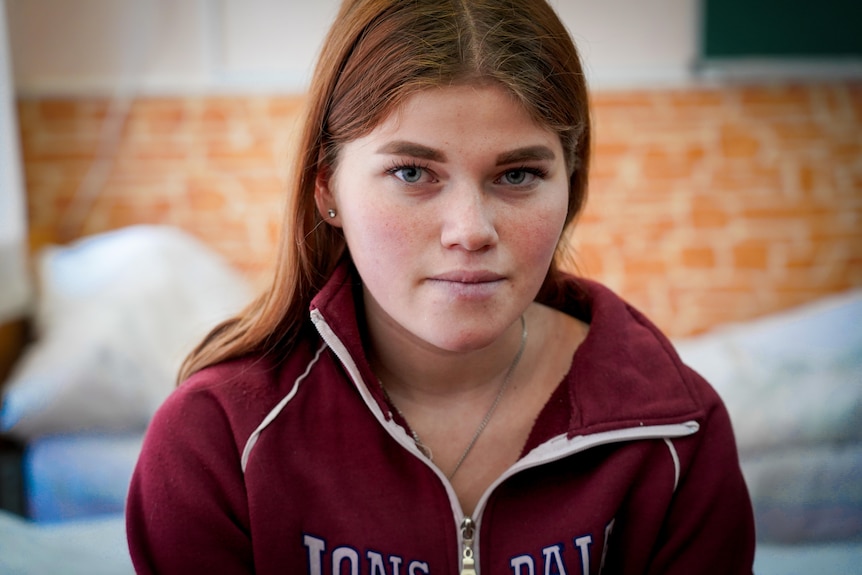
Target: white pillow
{"points": [[117, 313]]}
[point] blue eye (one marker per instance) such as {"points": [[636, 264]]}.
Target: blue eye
{"points": [[522, 176], [516, 177], [410, 174]]}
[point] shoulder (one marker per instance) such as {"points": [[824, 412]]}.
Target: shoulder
{"points": [[626, 367], [234, 395]]}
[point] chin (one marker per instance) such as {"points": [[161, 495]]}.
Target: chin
{"points": [[465, 341]]}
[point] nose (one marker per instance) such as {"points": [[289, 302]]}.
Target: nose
{"points": [[468, 220]]}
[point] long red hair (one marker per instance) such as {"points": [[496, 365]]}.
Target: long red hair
{"points": [[377, 53]]}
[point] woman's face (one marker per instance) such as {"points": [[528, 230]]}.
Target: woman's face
{"points": [[452, 209]]}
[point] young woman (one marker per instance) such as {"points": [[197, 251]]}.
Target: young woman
{"points": [[422, 390]]}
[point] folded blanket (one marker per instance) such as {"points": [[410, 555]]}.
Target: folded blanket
{"points": [[792, 379], [807, 494], [117, 313]]}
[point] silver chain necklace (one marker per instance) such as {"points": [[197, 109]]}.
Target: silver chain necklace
{"points": [[427, 450]]}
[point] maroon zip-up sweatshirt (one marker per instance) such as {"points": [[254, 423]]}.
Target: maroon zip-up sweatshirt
{"points": [[297, 466]]}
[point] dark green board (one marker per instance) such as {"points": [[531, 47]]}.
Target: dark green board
{"points": [[782, 29]]}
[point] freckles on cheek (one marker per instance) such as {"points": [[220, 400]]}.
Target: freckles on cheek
{"points": [[383, 242], [541, 237]]}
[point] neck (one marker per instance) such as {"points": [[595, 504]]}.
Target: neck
{"points": [[414, 371]]}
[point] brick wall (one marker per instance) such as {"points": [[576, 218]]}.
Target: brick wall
{"points": [[706, 205]]}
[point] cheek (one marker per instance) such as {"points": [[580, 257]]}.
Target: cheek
{"points": [[380, 239], [537, 237]]}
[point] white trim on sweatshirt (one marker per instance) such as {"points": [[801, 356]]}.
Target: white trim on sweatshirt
{"points": [[270, 417]]}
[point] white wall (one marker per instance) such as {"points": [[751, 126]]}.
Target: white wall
{"points": [[100, 45], [94, 46], [14, 277], [633, 43]]}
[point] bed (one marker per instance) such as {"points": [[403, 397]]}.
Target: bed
{"points": [[118, 311], [93, 546], [792, 383]]}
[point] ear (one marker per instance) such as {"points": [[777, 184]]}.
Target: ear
{"points": [[324, 198]]}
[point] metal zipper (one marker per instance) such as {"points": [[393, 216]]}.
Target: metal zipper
{"points": [[468, 562]]}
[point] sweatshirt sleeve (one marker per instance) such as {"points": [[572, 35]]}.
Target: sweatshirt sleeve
{"points": [[186, 510], [710, 527]]}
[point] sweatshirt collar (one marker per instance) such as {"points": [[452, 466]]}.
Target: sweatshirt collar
{"points": [[340, 304], [624, 374]]}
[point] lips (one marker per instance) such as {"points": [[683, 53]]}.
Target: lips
{"points": [[468, 277], [468, 286]]}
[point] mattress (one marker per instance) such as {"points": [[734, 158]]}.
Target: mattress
{"points": [[81, 547], [834, 558], [79, 475]]}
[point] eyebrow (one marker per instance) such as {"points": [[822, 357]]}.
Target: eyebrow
{"points": [[412, 149], [404, 148], [528, 154]]}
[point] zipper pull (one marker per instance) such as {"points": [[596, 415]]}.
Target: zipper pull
{"points": [[468, 564]]}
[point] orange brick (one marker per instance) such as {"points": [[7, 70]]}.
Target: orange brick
{"points": [[747, 177], [737, 142], [144, 150], [127, 211], [160, 115], [797, 132], [285, 106], [807, 178], [588, 261], [802, 257], [635, 100], [53, 110], [27, 110], [697, 100], [646, 266], [775, 99], [751, 254], [206, 198], [219, 113], [841, 150], [706, 212], [603, 172], [263, 189], [835, 100], [827, 227], [854, 96], [697, 257], [779, 208], [608, 148], [42, 147], [66, 117], [228, 154], [659, 164]]}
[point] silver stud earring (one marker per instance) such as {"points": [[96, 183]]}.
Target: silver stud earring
{"points": [[331, 213]]}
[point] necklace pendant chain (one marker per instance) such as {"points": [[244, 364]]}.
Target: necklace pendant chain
{"points": [[497, 399], [426, 451]]}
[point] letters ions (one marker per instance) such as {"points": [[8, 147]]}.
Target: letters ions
{"points": [[347, 560]]}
